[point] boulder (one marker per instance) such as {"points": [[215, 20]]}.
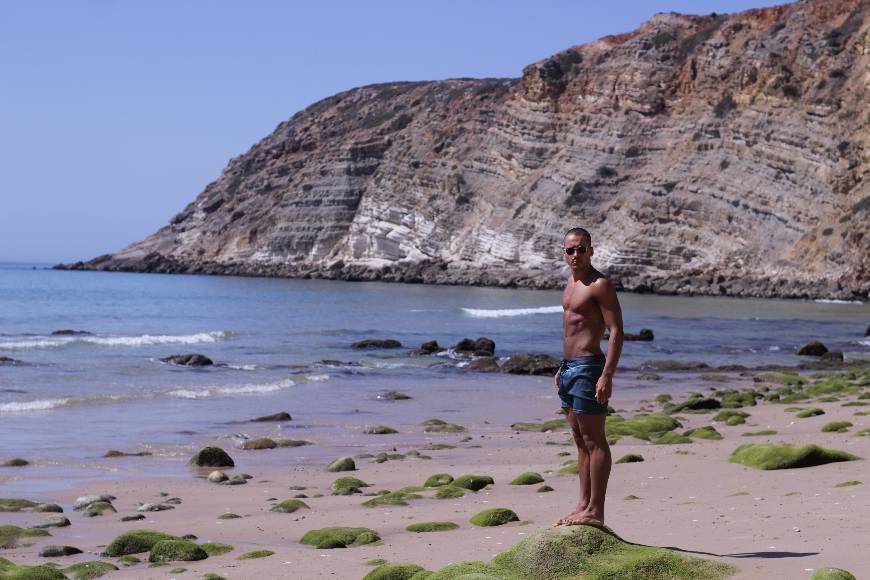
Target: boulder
{"points": [[260, 443], [188, 360], [154, 507], [339, 537], [176, 550], [393, 396], [527, 364], [341, 464], [71, 332], [429, 347], [53, 522], [48, 507], [86, 500], [16, 462], [645, 334], [812, 348], [282, 416], [483, 346], [116, 453], [136, 542], [376, 343], [212, 456], [833, 356], [54, 551], [5, 360], [484, 364], [217, 476], [98, 508]]}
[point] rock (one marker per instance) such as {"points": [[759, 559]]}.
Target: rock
{"points": [[235, 480], [135, 542], [544, 489], [528, 478], [176, 551], [836, 427], [261, 443], [154, 507], [782, 456], [292, 442], [832, 574], [188, 360], [630, 458], [393, 396], [282, 416], [833, 356], [812, 348], [430, 347], [53, 522], [347, 486], [289, 506], [216, 548], [705, 432], [48, 507], [54, 551], [217, 476], [472, 482], [449, 492], [644, 427], [89, 570], [389, 571], [339, 537], [70, 332], [399, 497], [494, 517], [672, 438], [423, 527], [551, 425], [135, 518], [229, 516], [16, 462], [484, 364], [22, 572], [673, 365], [483, 346], [376, 343], [116, 453], [379, 430], [86, 500], [696, 404], [212, 456], [341, 464], [5, 360], [645, 334], [525, 364], [649, 377], [438, 480], [98, 508], [807, 413], [255, 554]]}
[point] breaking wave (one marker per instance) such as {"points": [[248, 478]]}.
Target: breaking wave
{"points": [[831, 301], [203, 393], [138, 340], [501, 313]]}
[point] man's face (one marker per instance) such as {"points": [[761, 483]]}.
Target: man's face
{"points": [[577, 260]]}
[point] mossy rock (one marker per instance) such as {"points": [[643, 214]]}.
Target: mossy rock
{"points": [[830, 387], [444, 428], [695, 404], [347, 486], [814, 412], [566, 552], [379, 430], [289, 506], [663, 398], [88, 570], [761, 433], [375, 562], [292, 442], [544, 489], [438, 446], [832, 574], [449, 492], [783, 456], [129, 560], [672, 438], [98, 508], [852, 403], [261, 443], [393, 498], [528, 478], [630, 458], [494, 517], [216, 548], [569, 468], [552, 425], [339, 537], [630, 497], [644, 427], [212, 576], [733, 399], [253, 555], [473, 482], [16, 505], [394, 572], [211, 456], [789, 379], [9, 535], [731, 417], [705, 432], [836, 427], [432, 527], [176, 551], [438, 480], [136, 542], [21, 572], [229, 516], [341, 464], [863, 433]]}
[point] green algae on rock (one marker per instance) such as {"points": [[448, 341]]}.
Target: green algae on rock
{"points": [[341, 464], [528, 478], [212, 576], [216, 548], [88, 570], [449, 492], [136, 542], [347, 486], [761, 433], [176, 551], [731, 417], [569, 468], [259, 444], [392, 498], [339, 537], [438, 480], [814, 412], [836, 427], [644, 427], [473, 482], [229, 516], [494, 517], [21, 572], [9, 535], [375, 562], [630, 497], [630, 458], [566, 552], [783, 456], [394, 572], [705, 432], [848, 483], [544, 489], [672, 438], [129, 560], [444, 428], [551, 425], [379, 430], [790, 379], [289, 506], [16, 505], [432, 527], [253, 555], [832, 574]]}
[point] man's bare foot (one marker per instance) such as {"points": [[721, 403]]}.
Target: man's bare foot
{"points": [[579, 519], [563, 521]]}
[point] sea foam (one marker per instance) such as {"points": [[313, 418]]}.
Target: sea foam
{"points": [[138, 340], [203, 393], [501, 313], [26, 406], [832, 301]]}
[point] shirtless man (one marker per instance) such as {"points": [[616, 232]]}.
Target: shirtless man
{"points": [[585, 377]]}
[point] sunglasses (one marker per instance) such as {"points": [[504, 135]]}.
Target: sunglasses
{"points": [[578, 249]]}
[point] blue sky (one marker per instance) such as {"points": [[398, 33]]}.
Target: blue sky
{"points": [[114, 114]]}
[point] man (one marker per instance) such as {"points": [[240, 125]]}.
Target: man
{"points": [[585, 377]]}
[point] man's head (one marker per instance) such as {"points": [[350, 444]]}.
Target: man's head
{"points": [[578, 249]]}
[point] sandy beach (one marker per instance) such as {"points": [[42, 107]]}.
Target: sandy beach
{"points": [[767, 524]]}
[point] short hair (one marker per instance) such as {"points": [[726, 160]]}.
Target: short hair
{"points": [[579, 232]]}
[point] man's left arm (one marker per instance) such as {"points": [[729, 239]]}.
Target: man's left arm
{"points": [[612, 314]]}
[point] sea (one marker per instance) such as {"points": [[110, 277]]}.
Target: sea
{"points": [[285, 345]]}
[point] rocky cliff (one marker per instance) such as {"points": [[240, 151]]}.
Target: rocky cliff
{"points": [[720, 154]]}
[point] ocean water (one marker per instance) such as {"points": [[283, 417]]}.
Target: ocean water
{"points": [[73, 397]]}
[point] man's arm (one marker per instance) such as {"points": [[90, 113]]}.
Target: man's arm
{"points": [[612, 314]]}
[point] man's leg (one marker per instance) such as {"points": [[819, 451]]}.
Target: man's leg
{"points": [[582, 470], [592, 431]]}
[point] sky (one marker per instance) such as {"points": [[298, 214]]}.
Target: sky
{"points": [[115, 114]]}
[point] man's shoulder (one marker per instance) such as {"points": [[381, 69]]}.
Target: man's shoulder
{"points": [[600, 283]]}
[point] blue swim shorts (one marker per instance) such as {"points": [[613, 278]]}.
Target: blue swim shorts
{"points": [[577, 379]]}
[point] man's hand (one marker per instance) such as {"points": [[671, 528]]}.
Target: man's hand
{"points": [[604, 389]]}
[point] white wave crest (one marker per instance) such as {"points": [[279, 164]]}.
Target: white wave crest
{"points": [[242, 367], [865, 342], [827, 301], [501, 313], [140, 340], [38, 405], [317, 378], [231, 390]]}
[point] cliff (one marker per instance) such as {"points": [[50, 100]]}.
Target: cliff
{"points": [[720, 154]]}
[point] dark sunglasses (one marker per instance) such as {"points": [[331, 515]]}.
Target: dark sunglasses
{"points": [[579, 250]]}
